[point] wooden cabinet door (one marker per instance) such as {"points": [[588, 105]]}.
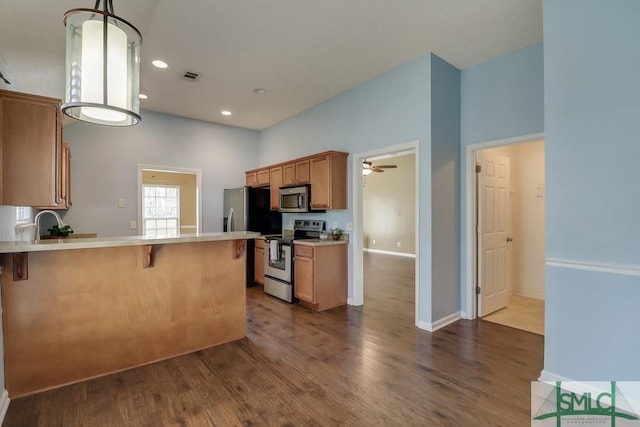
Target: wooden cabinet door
{"points": [[262, 177], [302, 172], [275, 182], [31, 139], [320, 189], [66, 176], [258, 265], [328, 177], [250, 179], [289, 174], [304, 285]]}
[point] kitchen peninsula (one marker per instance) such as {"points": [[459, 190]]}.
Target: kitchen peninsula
{"points": [[82, 308]]}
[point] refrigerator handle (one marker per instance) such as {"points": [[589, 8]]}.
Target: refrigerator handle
{"points": [[230, 220]]}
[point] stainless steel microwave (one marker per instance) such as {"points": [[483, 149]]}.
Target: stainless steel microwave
{"points": [[294, 199]]}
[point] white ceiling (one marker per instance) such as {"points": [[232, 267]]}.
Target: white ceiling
{"points": [[303, 51]]}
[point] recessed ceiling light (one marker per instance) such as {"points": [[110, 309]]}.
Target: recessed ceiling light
{"points": [[260, 91], [142, 96], [225, 113], [159, 63]]}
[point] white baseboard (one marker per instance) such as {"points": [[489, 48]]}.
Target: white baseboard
{"points": [[351, 301], [547, 376], [4, 405], [378, 251], [440, 323], [529, 294]]}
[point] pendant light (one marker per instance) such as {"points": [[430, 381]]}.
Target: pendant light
{"points": [[102, 67]]}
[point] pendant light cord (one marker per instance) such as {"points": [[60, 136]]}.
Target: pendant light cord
{"points": [[108, 6]]}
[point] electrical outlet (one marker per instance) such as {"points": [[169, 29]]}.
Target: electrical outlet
{"points": [[122, 203], [374, 241], [398, 244], [133, 225], [349, 226]]}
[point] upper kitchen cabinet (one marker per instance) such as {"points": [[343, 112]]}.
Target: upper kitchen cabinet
{"points": [[262, 177], [275, 182], [31, 150], [325, 172], [250, 179], [257, 178], [295, 173], [328, 178]]}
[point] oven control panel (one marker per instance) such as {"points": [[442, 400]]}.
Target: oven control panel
{"points": [[309, 225]]}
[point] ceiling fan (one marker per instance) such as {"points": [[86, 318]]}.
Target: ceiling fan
{"points": [[367, 167]]}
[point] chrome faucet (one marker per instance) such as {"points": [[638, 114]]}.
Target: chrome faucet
{"points": [[36, 221]]}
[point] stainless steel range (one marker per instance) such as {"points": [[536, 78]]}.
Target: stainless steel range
{"points": [[278, 258]]}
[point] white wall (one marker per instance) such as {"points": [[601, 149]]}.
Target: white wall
{"points": [[389, 206], [528, 204], [7, 223], [526, 252], [104, 167]]}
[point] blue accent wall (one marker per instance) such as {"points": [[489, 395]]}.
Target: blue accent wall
{"points": [[417, 101], [105, 161], [388, 110], [503, 98], [592, 120], [445, 188], [392, 109]]}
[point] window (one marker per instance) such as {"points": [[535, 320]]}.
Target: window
{"points": [[161, 212], [23, 214]]}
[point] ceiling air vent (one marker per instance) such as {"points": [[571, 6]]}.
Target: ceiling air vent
{"points": [[190, 76]]}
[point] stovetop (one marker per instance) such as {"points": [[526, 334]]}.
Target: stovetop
{"points": [[302, 229]]}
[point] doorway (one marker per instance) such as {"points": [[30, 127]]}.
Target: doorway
{"points": [[389, 222], [509, 246], [357, 288], [169, 199]]}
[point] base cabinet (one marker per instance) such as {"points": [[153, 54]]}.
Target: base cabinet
{"points": [[321, 275], [258, 262]]}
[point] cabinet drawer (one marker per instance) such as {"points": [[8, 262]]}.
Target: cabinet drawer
{"points": [[259, 243], [304, 251]]}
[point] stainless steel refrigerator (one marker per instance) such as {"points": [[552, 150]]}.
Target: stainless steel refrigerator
{"points": [[249, 209]]}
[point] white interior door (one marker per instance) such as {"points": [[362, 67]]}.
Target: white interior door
{"points": [[493, 233]]}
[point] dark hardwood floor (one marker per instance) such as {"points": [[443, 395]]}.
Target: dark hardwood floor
{"points": [[359, 366]]}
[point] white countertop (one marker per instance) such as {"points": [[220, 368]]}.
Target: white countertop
{"points": [[105, 242], [318, 242]]}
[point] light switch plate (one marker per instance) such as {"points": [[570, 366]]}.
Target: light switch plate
{"points": [[122, 203], [133, 225]]}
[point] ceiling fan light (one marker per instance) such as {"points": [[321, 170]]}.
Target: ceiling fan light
{"points": [[102, 67], [366, 171]]}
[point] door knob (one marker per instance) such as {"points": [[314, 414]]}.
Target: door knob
{"points": [[509, 239]]}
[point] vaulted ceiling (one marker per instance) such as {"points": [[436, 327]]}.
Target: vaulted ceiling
{"points": [[302, 51]]}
